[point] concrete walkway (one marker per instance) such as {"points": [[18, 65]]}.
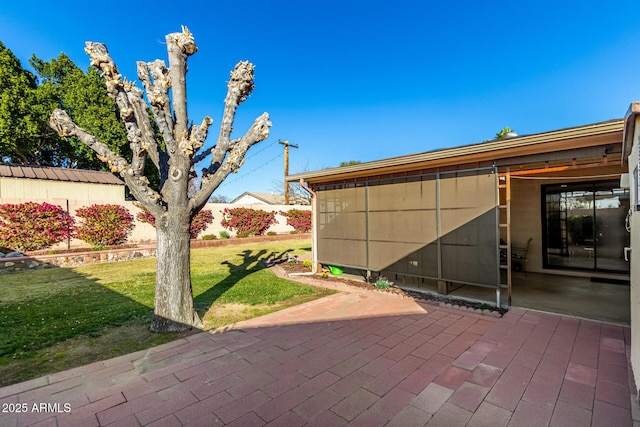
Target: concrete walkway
{"points": [[353, 358]]}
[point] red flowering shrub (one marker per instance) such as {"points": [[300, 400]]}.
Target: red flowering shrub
{"points": [[300, 220], [31, 226], [198, 222], [145, 216], [248, 222], [104, 225]]}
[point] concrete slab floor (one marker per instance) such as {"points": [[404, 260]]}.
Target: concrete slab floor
{"points": [[572, 296]]}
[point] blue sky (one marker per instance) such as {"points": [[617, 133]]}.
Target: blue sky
{"points": [[355, 80]]}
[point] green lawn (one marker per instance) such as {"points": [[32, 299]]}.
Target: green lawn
{"points": [[55, 319]]}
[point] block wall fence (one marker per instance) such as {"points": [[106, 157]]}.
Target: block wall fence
{"points": [[145, 233]]}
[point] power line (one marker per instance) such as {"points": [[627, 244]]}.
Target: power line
{"points": [[252, 154], [251, 171], [261, 150]]}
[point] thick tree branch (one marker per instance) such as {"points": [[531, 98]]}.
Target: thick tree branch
{"points": [[202, 155], [239, 88], [207, 151], [139, 185], [259, 131], [62, 123], [179, 47], [158, 97], [196, 138], [148, 142], [140, 134]]}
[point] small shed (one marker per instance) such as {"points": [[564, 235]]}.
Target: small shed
{"points": [[41, 182]]}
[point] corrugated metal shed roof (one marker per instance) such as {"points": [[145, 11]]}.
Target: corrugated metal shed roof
{"points": [[58, 174]]}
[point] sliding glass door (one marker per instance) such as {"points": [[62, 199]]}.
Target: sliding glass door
{"points": [[584, 226]]}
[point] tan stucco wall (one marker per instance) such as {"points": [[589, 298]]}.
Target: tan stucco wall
{"points": [[13, 188], [526, 209], [143, 232], [526, 220]]}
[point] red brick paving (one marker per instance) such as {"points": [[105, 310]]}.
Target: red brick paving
{"points": [[356, 358]]}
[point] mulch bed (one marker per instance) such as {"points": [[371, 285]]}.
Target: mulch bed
{"points": [[431, 298]]}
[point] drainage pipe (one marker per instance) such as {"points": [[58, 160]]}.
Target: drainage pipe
{"points": [[314, 233]]}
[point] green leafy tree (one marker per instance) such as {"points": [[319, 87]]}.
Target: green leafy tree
{"points": [[84, 97], [350, 163], [27, 99], [503, 133], [20, 126], [26, 102]]}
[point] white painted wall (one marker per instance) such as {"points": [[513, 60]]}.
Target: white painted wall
{"points": [[248, 199]]}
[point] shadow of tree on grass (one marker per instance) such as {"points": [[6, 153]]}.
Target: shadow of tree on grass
{"points": [[251, 263], [43, 309]]}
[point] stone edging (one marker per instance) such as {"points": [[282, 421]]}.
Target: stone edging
{"points": [[14, 265], [315, 281], [75, 259]]}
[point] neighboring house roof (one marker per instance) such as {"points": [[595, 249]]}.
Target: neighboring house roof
{"points": [[568, 139], [58, 174], [270, 198]]}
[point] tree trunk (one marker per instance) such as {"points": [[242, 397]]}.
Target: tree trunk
{"points": [[173, 306], [175, 160]]}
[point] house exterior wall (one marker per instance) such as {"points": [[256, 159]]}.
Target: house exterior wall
{"points": [[633, 162], [248, 200], [13, 188], [526, 219], [526, 216], [526, 208]]}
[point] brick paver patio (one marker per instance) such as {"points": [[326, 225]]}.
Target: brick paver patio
{"points": [[353, 358]]}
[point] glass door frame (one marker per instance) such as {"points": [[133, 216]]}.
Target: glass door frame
{"points": [[591, 187]]}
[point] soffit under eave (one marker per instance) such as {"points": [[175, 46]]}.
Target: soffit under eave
{"points": [[470, 158], [582, 133], [629, 129]]}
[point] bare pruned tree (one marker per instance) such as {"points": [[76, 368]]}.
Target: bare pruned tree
{"points": [[297, 194], [172, 205]]}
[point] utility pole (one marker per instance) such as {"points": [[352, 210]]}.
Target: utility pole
{"points": [[286, 168]]}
